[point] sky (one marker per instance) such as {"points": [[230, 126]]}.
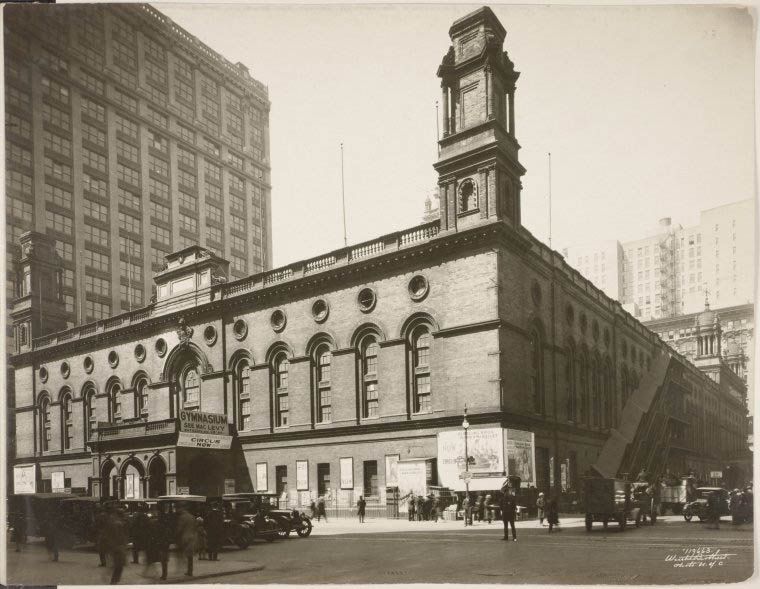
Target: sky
{"points": [[647, 111]]}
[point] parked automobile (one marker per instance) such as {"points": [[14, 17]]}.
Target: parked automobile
{"points": [[287, 520], [34, 508], [608, 500], [674, 497], [698, 507], [253, 511], [77, 518], [130, 507], [169, 505]]}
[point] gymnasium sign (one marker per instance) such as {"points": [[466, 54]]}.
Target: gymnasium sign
{"points": [[203, 430]]}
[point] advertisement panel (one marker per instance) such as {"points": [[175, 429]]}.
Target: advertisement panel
{"points": [[485, 447], [25, 479], [391, 470], [521, 456], [302, 475], [198, 429], [261, 477], [58, 481], [412, 477], [346, 473]]}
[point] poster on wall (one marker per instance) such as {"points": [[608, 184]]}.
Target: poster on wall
{"points": [[412, 477], [521, 456], [25, 479], [261, 477], [485, 447], [58, 481], [551, 472], [346, 473], [302, 475], [563, 476], [129, 486], [391, 470]]}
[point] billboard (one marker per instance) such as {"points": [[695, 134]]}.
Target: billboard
{"points": [[198, 429], [485, 447], [25, 479], [346, 473], [412, 476], [521, 455], [391, 470]]}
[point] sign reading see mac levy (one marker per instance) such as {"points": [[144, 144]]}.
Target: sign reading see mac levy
{"points": [[203, 430]]}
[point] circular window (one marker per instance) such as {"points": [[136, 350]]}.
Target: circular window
{"points": [[595, 329], [535, 293], [240, 329], [209, 334], [160, 347], [65, 369], [43, 374], [570, 314], [366, 299], [320, 310], [113, 358], [418, 287], [584, 322], [278, 320], [140, 352], [88, 364]]}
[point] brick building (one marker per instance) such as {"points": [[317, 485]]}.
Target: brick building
{"points": [[349, 373]]}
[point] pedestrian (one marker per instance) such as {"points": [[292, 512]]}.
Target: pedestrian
{"points": [[540, 505], [361, 508], [434, 509], [552, 513], [489, 508], [420, 507], [735, 504], [713, 510], [467, 509], [747, 505], [508, 513], [19, 528], [187, 537], [214, 524], [201, 545], [480, 507], [100, 530], [410, 507], [115, 538], [138, 533], [51, 529], [427, 506], [313, 508], [157, 542]]}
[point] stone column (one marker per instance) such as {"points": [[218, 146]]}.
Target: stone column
{"points": [[451, 197], [446, 113], [512, 112], [490, 114], [483, 196]]}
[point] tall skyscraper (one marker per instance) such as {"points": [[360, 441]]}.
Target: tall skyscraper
{"points": [[126, 139]]}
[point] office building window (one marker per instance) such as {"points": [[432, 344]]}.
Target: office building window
{"points": [[95, 210], [58, 222], [93, 110]]}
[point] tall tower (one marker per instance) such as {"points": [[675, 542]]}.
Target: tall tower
{"points": [[478, 169], [38, 308]]}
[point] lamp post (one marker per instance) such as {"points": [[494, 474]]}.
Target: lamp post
{"points": [[465, 426]]}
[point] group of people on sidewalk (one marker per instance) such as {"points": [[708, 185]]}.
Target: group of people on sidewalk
{"points": [[423, 508]]}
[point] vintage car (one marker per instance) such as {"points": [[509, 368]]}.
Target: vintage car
{"points": [[130, 508], [237, 531], [698, 507], [286, 520], [77, 519], [608, 500], [35, 509], [675, 496]]}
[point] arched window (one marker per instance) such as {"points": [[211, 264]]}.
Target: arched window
{"points": [[323, 392], [572, 401], [536, 372], [583, 387], [141, 398], [594, 373], [624, 385], [422, 391], [370, 394], [244, 396], [90, 414], [114, 401], [45, 424], [191, 391], [281, 366], [610, 398], [67, 422]]}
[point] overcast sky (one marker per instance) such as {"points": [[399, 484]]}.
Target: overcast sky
{"points": [[647, 111]]}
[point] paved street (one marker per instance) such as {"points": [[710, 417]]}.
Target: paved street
{"points": [[383, 551]]}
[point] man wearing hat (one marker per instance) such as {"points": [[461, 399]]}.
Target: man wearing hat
{"points": [[508, 513], [540, 505]]}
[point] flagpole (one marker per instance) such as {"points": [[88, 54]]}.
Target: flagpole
{"points": [[343, 195]]}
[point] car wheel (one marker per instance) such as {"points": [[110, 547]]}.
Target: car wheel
{"points": [[687, 516], [305, 530], [701, 518], [283, 530], [242, 541]]}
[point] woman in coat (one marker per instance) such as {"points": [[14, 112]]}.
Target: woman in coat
{"points": [[361, 508], [540, 505], [187, 537]]}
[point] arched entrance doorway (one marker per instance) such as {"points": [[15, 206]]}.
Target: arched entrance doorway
{"points": [[132, 478], [157, 474], [108, 480]]}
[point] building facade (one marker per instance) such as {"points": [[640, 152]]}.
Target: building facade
{"points": [[126, 139], [349, 373]]}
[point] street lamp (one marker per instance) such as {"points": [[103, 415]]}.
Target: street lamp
{"points": [[465, 426]]}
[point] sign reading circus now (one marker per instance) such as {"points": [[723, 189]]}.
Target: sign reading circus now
{"points": [[203, 430]]}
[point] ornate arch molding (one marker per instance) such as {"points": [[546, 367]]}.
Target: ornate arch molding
{"points": [[182, 355], [156, 457], [138, 376], [238, 357], [88, 386], [414, 321], [317, 340], [364, 330], [114, 380], [134, 461], [276, 348], [65, 390]]}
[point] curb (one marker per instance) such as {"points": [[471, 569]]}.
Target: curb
{"points": [[196, 578]]}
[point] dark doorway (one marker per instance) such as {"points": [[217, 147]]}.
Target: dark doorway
{"points": [[323, 478], [370, 478], [281, 479], [157, 481]]}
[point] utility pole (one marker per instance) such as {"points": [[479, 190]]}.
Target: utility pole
{"points": [[343, 195]]}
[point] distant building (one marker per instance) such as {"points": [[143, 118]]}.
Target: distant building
{"points": [[127, 138], [601, 263]]}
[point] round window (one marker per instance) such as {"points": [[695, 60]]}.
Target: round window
{"points": [[418, 287], [240, 329], [43, 374], [160, 347], [209, 334], [113, 358], [88, 364], [140, 352], [65, 369], [320, 310], [366, 299], [278, 320]]}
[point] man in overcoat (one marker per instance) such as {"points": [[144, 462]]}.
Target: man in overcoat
{"points": [[508, 514]]}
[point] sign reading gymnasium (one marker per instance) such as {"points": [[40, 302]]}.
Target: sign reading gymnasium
{"points": [[198, 429]]}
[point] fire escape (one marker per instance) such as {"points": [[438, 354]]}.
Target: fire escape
{"points": [[668, 288]]}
